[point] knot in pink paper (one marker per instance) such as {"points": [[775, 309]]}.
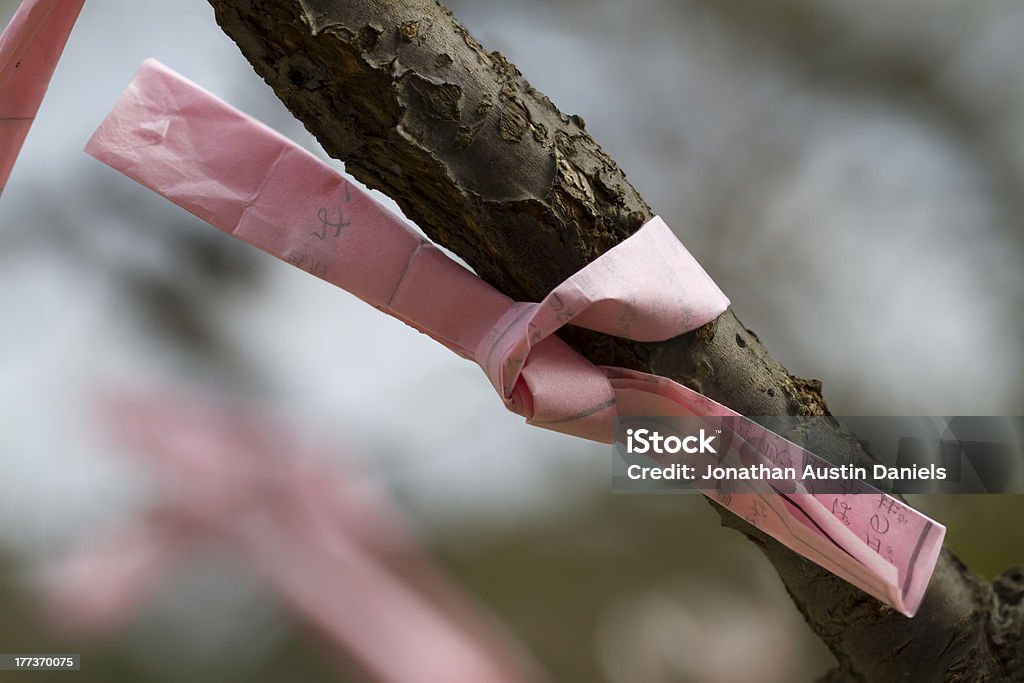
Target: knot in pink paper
{"points": [[648, 288]]}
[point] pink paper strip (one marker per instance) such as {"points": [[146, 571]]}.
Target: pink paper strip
{"points": [[29, 49], [323, 536], [244, 178]]}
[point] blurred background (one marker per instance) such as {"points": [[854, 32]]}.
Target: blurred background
{"points": [[851, 174]]}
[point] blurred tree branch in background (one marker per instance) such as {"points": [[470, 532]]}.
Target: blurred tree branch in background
{"points": [[490, 168], [854, 51]]}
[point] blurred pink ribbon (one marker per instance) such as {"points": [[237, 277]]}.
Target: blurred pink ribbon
{"points": [[239, 175], [324, 538], [30, 47]]}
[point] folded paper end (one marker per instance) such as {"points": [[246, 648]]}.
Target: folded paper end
{"points": [[126, 126], [915, 585], [648, 288]]}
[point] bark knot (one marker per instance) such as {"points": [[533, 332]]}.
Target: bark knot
{"points": [[1009, 586]]}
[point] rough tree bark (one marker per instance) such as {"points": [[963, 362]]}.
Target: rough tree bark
{"points": [[490, 168]]}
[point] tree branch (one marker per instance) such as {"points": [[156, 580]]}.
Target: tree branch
{"points": [[490, 168]]}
